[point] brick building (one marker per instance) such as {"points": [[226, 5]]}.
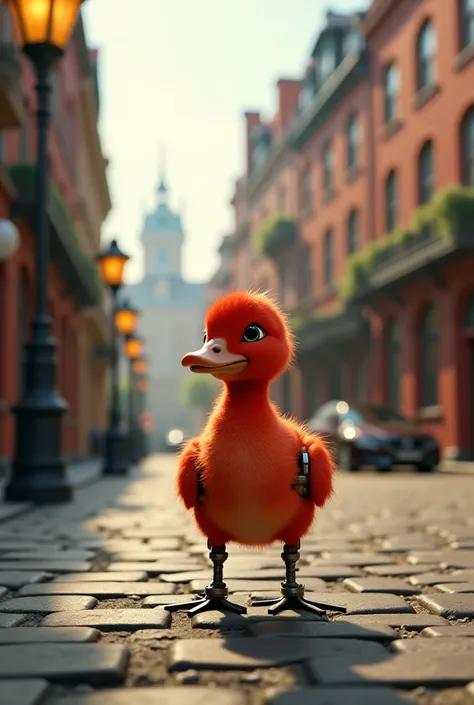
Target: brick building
{"points": [[79, 202], [372, 251]]}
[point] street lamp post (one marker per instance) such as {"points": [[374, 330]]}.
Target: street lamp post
{"points": [[139, 368], [126, 319], [141, 386], [134, 349], [112, 266], [38, 468]]}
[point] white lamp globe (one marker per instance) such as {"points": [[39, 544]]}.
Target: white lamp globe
{"points": [[9, 239]]}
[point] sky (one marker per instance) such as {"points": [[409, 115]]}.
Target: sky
{"points": [[176, 77]]}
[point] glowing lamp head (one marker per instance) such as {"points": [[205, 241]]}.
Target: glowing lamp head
{"points": [[126, 318], [111, 264], [49, 22], [140, 366], [134, 347]]}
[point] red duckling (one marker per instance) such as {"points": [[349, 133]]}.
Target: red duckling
{"points": [[253, 476]]}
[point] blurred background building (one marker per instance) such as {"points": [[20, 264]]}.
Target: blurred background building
{"points": [[79, 203], [356, 209], [171, 321]]}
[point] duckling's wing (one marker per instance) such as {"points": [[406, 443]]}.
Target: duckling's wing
{"points": [[187, 480], [321, 469]]}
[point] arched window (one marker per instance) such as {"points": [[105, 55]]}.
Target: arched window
{"points": [[426, 48], [305, 271], [328, 168], [328, 257], [466, 22], [353, 232], [353, 139], [391, 201], [428, 341], [393, 365], [467, 148], [391, 93], [426, 173]]}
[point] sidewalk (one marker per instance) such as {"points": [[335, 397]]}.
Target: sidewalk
{"points": [[79, 474], [82, 622]]}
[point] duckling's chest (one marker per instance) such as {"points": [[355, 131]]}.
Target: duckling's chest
{"points": [[248, 465]]}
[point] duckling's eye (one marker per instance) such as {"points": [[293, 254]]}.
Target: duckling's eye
{"points": [[253, 333], [204, 339]]}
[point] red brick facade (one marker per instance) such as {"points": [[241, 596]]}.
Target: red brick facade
{"points": [[17, 274], [387, 130]]}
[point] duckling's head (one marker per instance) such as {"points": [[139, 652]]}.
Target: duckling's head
{"points": [[246, 338]]}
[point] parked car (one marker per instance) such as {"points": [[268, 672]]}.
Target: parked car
{"points": [[371, 435]]}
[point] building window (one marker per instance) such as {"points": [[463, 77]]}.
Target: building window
{"points": [[335, 382], [327, 59], [391, 205], [426, 175], [352, 144], [328, 169], [467, 148], [391, 93], [328, 257], [428, 357], [307, 273], [466, 22], [352, 232], [308, 188], [393, 365], [426, 47]]}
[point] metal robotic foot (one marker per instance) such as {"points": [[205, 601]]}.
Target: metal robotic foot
{"points": [[293, 592], [215, 594]]}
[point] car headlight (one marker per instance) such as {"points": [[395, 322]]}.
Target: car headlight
{"points": [[175, 437], [369, 442]]}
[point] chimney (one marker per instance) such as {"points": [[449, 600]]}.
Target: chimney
{"points": [[288, 93], [252, 120]]}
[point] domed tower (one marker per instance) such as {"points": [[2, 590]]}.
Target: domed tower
{"points": [[163, 237]]}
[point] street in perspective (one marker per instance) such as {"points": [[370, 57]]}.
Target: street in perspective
{"points": [[237, 360]]}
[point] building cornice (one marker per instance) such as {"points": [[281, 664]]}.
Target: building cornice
{"points": [[350, 72], [266, 173], [376, 14]]}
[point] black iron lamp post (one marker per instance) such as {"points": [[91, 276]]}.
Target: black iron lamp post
{"points": [[126, 318], [142, 388], [112, 266], [140, 368], [38, 467]]}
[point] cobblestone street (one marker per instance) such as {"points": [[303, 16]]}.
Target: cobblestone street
{"points": [[82, 622]]}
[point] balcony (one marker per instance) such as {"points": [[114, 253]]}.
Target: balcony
{"points": [[441, 232], [318, 331], [276, 236], [12, 107], [78, 270]]}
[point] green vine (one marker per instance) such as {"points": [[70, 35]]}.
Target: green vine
{"points": [[276, 234], [450, 212], [23, 176]]}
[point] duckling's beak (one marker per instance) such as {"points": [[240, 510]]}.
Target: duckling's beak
{"points": [[215, 359]]}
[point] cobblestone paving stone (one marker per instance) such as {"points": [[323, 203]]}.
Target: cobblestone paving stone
{"points": [[82, 589]]}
